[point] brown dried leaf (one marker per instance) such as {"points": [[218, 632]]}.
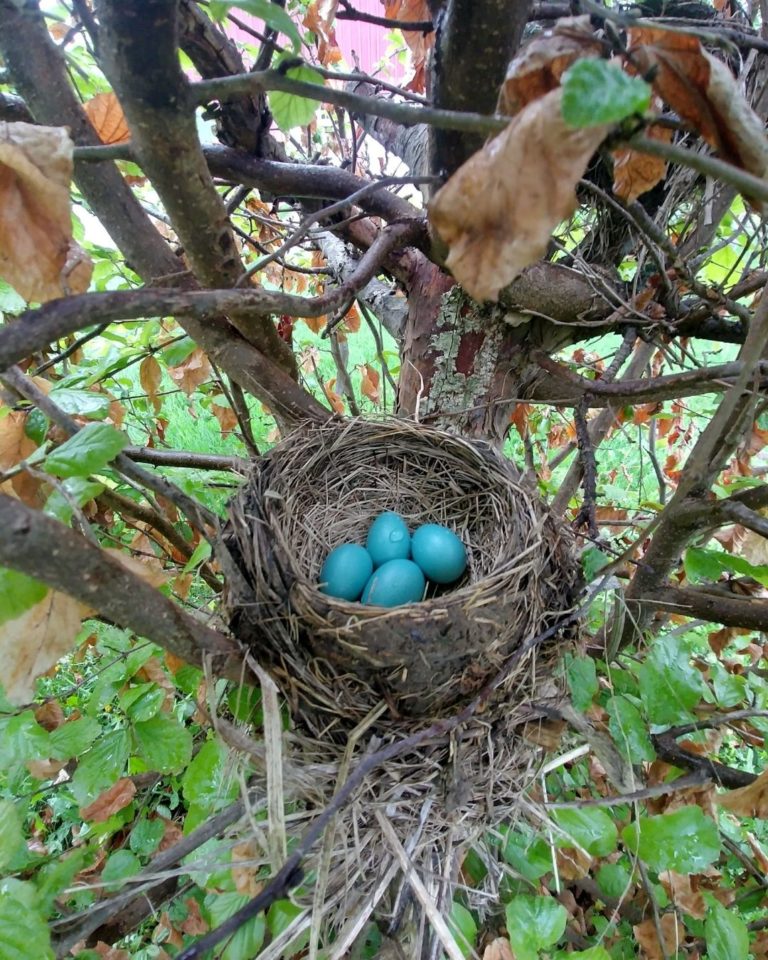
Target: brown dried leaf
{"points": [[49, 715], [111, 801], [418, 43], [165, 932], [337, 404], [539, 66], [16, 446], [45, 769], [684, 892], [151, 376], [702, 90], [107, 117], [636, 173], [226, 416], [32, 643], [497, 211], [194, 925], [573, 863], [499, 949], [172, 835], [671, 930], [154, 672], [111, 953], [245, 860], [38, 256], [195, 370], [544, 733], [760, 855], [315, 324], [369, 383], [319, 19], [149, 569], [750, 801]]}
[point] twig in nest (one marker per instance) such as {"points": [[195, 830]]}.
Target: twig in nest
{"points": [[291, 874]]}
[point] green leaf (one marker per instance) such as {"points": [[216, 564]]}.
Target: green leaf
{"points": [[464, 928], [163, 743], [629, 730], [596, 91], [142, 702], [280, 916], [55, 877], [712, 564], [613, 880], [590, 827], [23, 933], [592, 561], [73, 738], [102, 766], [120, 866], [21, 739], [670, 686], [582, 681], [725, 932], [527, 854], [82, 403], [730, 689], [534, 923], [18, 593], [11, 833], [78, 490], [265, 10], [246, 943], [291, 110], [146, 836], [201, 552], [592, 953], [87, 451], [36, 425], [685, 840]]}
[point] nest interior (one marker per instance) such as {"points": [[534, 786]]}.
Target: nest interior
{"points": [[323, 487], [357, 676]]}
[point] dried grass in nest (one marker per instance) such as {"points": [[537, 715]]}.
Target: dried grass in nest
{"points": [[356, 677]]}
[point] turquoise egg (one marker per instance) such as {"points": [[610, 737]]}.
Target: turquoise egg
{"points": [[346, 571], [388, 539], [393, 583], [439, 553]]}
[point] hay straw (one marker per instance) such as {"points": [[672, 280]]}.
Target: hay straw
{"points": [[358, 677]]}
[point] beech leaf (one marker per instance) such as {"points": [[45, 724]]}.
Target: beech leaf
{"points": [[37, 639], [497, 211], [38, 255], [107, 118], [749, 801], [111, 801], [596, 91]]}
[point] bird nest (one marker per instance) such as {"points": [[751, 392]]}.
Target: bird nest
{"points": [[356, 677]]}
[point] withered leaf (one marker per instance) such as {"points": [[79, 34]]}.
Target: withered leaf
{"points": [[672, 931], [497, 211], [418, 43], [195, 370], [337, 404], [684, 892], [150, 377], [107, 117], [702, 90], [111, 801], [319, 19], [636, 173], [38, 256], [499, 949], [32, 643], [749, 801], [541, 63], [369, 383]]}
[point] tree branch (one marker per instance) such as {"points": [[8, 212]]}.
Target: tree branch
{"points": [[668, 749], [47, 550], [475, 41], [185, 459]]}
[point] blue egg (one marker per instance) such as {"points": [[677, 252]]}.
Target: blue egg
{"points": [[439, 553], [388, 539], [346, 571], [393, 583]]}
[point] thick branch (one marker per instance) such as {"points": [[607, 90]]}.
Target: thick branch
{"points": [[185, 459], [714, 604], [475, 41], [56, 319], [45, 549], [139, 50], [669, 750]]}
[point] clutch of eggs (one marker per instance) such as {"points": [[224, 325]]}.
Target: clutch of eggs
{"points": [[393, 566]]}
